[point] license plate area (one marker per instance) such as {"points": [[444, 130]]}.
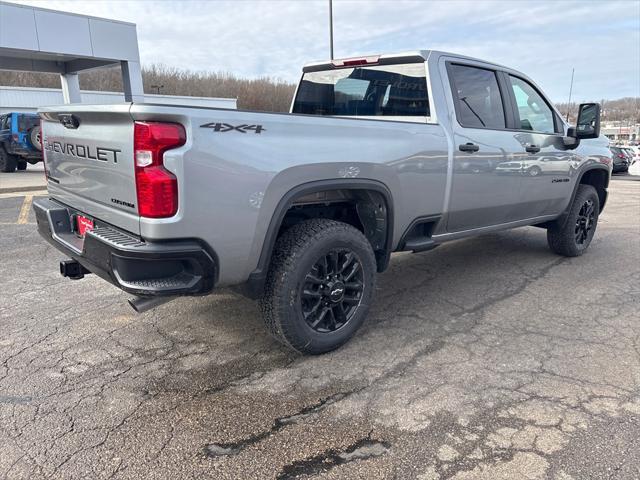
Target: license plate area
{"points": [[82, 224]]}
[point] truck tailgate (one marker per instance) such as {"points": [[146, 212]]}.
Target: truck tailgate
{"points": [[89, 161]]}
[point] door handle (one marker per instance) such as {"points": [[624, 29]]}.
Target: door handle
{"points": [[468, 147], [532, 148]]}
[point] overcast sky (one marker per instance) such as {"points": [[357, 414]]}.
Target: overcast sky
{"points": [[275, 37]]}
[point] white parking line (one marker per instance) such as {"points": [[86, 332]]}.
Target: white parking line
{"points": [[37, 193]]}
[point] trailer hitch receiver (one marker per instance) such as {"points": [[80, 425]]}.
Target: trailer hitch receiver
{"points": [[72, 269]]}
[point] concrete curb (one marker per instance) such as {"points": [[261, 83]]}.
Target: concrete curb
{"points": [[627, 177]]}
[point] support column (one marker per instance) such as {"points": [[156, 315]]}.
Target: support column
{"points": [[70, 88], [132, 82]]}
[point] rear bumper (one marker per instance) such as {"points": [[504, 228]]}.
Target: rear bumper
{"points": [[180, 267], [24, 152]]}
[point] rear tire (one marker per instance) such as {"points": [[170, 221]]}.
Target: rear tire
{"points": [[574, 237], [21, 165], [8, 162], [319, 286]]}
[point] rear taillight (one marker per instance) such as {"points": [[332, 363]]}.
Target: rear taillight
{"points": [[620, 155], [44, 150], [157, 187]]}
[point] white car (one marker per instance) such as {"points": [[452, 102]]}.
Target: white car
{"points": [[635, 152]]}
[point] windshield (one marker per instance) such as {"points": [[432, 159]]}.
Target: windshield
{"points": [[384, 90]]}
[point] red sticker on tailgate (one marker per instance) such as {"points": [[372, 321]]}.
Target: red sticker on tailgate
{"points": [[83, 224]]}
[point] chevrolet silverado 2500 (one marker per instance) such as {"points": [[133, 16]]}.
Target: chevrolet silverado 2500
{"points": [[379, 154]]}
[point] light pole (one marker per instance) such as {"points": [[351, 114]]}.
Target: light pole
{"points": [[570, 92], [331, 27]]}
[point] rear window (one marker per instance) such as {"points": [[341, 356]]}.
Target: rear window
{"points": [[25, 122], [477, 96], [383, 90]]}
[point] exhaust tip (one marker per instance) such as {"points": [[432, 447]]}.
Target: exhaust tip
{"points": [[142, 304], [134, 304]]}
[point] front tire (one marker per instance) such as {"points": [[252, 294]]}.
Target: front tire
{"points": [[574, 237], [319, 286]]}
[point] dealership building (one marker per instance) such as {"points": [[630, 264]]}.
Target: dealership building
{"points": [[623, 132]]}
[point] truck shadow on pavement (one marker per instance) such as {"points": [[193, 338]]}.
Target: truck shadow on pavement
{"points": [[421, 298]]}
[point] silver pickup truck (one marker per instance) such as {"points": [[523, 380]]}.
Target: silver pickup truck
{"points": [[379, 154]]}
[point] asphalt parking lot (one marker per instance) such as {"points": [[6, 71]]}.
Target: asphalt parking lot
{"points": [[488, 358]]}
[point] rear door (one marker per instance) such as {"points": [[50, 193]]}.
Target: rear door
{"points": [[89, 161], [487, 159]]}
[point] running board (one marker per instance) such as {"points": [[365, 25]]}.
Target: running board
{"points": [[418, 238], [420, 245]]}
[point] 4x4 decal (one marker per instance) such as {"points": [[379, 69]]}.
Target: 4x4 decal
{"points": [[225, 127]]}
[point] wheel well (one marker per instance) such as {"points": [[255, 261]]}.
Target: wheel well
{"points": [[366, 210], [366, 204], [599, 179]]}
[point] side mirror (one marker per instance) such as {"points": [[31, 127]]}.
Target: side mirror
{"points": [[588, 124]]}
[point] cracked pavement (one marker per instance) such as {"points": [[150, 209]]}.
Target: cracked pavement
{"points": [[487, 358]]}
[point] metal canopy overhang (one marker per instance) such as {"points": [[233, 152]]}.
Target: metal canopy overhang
{"points": [[40, 40], [12, 59]]}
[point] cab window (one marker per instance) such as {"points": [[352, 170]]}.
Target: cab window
{"points": [[534, 112], [27, 122]]}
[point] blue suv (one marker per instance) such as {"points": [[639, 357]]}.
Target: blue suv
{"points": [[20, 141]]}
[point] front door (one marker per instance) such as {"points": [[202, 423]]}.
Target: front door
{"points": [[547, 167]]}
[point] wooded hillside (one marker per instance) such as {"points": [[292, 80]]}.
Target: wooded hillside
{"points": [[265, 94], [625, 109]]}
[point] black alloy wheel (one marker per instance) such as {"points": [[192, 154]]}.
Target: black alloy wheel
{"points": [[332, 290], [585, 222]]}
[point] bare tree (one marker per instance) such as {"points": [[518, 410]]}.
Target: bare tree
{"points": [[625, 109], [265, 93]]}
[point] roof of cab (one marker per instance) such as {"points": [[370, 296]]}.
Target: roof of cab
{"points": [[424, 54]]}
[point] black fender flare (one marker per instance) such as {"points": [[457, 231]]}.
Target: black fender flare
{"points": [[560, 221], [255, 283]]}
